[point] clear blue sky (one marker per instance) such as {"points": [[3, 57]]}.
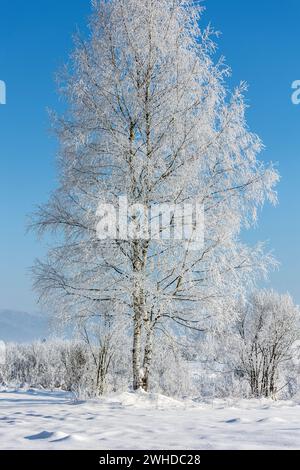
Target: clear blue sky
{"points": [[261, 42]]}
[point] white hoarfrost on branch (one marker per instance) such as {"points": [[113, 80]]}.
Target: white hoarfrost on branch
{"points": [[150, 118]]}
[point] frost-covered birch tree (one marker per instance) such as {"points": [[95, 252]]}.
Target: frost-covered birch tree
{"points": [[150, 118], [268, 328]]}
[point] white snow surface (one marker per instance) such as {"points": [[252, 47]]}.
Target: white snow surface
{"points": [[32, 419]]}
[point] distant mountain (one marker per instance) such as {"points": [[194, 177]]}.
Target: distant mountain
{"points": [[23, 327]]}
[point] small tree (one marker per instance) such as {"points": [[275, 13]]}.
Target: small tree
{"points": [[103, 338], [268, 328]]}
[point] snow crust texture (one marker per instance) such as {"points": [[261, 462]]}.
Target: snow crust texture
{"points": [[42, 420]]}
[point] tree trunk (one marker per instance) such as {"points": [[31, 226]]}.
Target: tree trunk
{"points": [[139, 310], [148, 353], [137, 346]]}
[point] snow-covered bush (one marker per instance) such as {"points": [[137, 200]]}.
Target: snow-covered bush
{"points": [[171, 375], [50, 365]]}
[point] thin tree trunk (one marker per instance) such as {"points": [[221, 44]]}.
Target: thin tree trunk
{"points": [[148, 354], [137, 346], [139, 309]]}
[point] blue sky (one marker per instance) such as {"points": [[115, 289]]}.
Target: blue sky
{"points": [[260, 39]]}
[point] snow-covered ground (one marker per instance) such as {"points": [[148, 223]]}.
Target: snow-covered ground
{"points": [[40, 420]]}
